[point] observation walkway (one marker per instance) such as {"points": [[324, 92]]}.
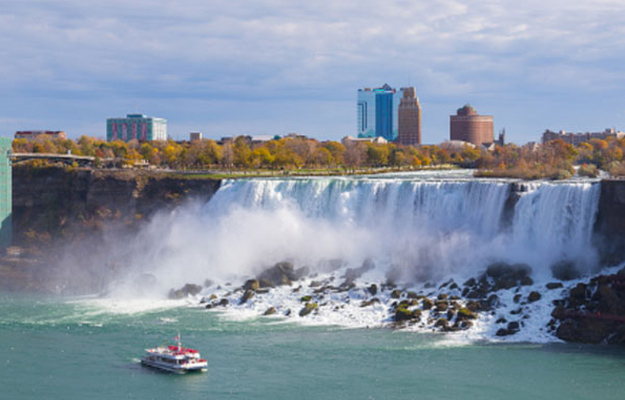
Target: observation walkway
{"points": [[68, 159]]}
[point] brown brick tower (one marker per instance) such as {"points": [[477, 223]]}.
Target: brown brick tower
{"points": [[470, 127], [409, 118]]}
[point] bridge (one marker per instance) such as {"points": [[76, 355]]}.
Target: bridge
{"points": [[68, 159]]}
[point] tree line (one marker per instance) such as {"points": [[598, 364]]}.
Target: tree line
{"points": [[555, 159]]}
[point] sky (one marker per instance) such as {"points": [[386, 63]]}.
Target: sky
{"points": [[267, 67]]}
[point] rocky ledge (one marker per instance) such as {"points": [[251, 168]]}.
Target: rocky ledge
{"points": [[593, 312], [448, 307]]}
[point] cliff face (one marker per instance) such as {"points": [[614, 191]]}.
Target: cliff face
{"points": [[610, 224], [55, 201]]}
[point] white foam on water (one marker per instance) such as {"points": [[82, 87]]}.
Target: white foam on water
{"points": [[415, 228]]}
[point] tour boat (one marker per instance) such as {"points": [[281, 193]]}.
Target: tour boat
{"points": [[174, 358]]}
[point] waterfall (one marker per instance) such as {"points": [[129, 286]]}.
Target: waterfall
{"points": [[413, 229], [420, 229]]}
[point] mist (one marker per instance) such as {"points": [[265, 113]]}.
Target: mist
{"points": [[413, 231]]}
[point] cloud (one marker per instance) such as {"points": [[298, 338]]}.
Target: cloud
{"points": [[266, 50]]}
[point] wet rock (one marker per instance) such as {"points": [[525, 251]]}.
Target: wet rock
{"points": [[464, 314], [246, 296], [396, 294], [251, 284], [474, 306], [501, 320], [517, 298], [403, 314], [554, 285], [412, 295], [513, 326], [283, 273], [346, 286], [470, 283], [441, 306], [442, 323], [187, 290], [427, 304], [505, 332], [449, 282], [270, 311], [308, 308], [371, 302], [565, 270], [533, 297], [373, 289], [305, 299]]}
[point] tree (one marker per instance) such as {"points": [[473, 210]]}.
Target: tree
{"points": [[242, 152]]}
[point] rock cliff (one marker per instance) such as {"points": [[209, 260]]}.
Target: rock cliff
{"points": [[62, 217], [609, 230], [56, 201]]}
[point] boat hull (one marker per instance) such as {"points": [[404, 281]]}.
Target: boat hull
{"points": [[174, 369]]}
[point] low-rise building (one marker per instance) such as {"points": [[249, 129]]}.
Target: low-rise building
{"points": [[376, 140], [577, 138], [31, 135]]}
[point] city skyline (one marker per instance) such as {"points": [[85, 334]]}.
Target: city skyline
{"points": [[275, 67]]}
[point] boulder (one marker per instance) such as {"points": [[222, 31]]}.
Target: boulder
{"points": [[441, 305], [465, 314], [282, 273], [308, 308], [368, 303], [373, 289], [270, 311], [427, 304], [396, 294], [403, 314], [246, 296], [565, 270], [533, 297], [442, 323], [251, 284], [187, 290], [554, 285]]}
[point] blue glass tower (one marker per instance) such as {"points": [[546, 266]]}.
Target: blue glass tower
{"points": [[377, 112]]}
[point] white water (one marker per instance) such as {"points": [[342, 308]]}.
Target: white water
{"points": [[415, 229]]}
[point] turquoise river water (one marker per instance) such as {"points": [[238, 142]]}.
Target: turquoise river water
{"points": [[54, 348]]}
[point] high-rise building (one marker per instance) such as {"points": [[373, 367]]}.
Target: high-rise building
{"points": [[377, 112], [409, 118], [469, 127], [136, 126]]}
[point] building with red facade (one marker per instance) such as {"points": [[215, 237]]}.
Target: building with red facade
{"points": [[470, 127], [409, 118]]}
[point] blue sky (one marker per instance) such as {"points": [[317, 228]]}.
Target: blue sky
{"points": [[280, 66]]}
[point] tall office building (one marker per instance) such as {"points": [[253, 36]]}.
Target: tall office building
{"points": [[409, 118], [467, 126], [136, 126], [377, 112]]}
